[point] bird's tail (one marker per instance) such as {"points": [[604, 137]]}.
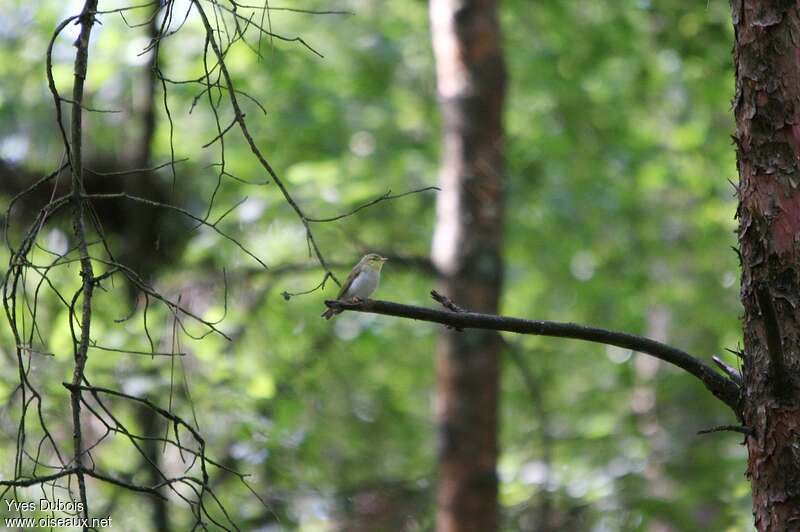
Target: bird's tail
{"points": [[329, 313]]}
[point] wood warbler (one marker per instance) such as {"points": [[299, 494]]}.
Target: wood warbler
{"points": [[361, 283]]}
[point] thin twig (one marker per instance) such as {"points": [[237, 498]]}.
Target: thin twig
{"points": [[293, 9], [160, 205], [137, 170], [383, 197]]}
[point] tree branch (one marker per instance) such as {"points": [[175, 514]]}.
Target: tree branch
{"points": [[239, 118], [724, 389], [747, 431], [87, 274]]}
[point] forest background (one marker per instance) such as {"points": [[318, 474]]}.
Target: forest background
{"points": [[619, 214]]}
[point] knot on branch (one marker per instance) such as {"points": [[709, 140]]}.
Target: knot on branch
{"points": [[447, 303], [779, 376]]}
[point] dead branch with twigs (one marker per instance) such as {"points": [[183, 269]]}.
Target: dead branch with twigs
{"points": [[42, 458]]}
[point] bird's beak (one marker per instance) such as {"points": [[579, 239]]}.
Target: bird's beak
{"points": [[384, 259]]}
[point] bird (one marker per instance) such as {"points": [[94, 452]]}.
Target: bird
{"points": [[361, 283]]}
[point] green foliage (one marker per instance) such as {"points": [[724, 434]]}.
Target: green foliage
{"points": [[619, 214]]}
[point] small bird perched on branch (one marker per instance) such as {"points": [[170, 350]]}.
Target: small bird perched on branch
{"points": [[361, 283]]}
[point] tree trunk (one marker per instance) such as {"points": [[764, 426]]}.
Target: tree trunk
{"points": [[767, 110], [467, 253]]}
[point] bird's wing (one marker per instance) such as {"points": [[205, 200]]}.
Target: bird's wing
{"points": [[348, 282]]}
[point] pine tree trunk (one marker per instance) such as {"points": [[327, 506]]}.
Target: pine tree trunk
{"points": [[767, 110], [467, 252]]}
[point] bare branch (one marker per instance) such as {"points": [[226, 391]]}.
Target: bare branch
{"points": [[33, 481], [75, 149], [726, 390], [747, 431], [239, 117], [22, 305]]}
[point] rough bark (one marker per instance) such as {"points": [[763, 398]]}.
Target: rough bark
{"points": [[467, 252], [767, 110]]}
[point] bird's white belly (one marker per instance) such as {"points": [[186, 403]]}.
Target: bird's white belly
{"points": [[363, 285]]}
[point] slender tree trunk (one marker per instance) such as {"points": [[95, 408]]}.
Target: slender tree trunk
{"points": [[767, 109], [467, 252]]}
